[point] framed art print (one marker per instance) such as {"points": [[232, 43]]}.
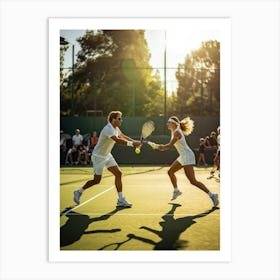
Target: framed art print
{"points": [[159, 107], [112, 83]]}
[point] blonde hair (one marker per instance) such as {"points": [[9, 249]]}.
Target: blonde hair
{"points": [[113, 115], [186, 124]]}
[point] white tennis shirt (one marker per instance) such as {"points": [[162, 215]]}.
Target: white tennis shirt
{"points": [[105, 143]]}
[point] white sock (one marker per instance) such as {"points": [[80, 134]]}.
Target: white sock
{"points": [[210, 194], [176, 189], [120, 195], [81, 190]]}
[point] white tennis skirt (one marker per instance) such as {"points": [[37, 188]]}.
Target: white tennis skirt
{"points": [[187, 158]]}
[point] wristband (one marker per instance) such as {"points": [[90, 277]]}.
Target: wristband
{"points": [[153, 145], [129, 143]]}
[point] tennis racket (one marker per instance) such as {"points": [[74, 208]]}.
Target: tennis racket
{"points": [[147, 129]]}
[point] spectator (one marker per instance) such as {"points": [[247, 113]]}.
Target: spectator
{"points": [[62, 146], [92, 143], [82, 154], [201, 152], [62, 141], [207, 142], [217, 156], [77, 140], [218, 137], [93, 140], [213, 140]]}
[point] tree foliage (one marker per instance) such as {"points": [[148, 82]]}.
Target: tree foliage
{"points": [[199, 81], [113, 72], [103, 80]]}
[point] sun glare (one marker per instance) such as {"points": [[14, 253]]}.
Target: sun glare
{"points": [[178, 44]]}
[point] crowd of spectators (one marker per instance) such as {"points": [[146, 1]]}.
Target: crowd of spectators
{"points": [[76, 150], [208, 144]]}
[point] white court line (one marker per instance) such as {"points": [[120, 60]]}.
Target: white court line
{"points": [[94, 197], [141, 214]]}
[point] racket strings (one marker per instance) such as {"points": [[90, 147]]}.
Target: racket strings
{"points": [[147, 129]]}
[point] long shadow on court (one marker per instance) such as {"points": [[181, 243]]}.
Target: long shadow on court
{"points": [[77, 223], [170, 233], [172, 229], [130, 236]]}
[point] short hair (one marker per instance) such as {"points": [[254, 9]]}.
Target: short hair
{"points": [[113, 115]]}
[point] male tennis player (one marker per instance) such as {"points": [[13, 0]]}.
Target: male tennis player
{"points": [[102, 157]]}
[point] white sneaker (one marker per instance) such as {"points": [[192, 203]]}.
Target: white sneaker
{"points": [[123, 203], [175, 194], [77, 195], [215, 199]]}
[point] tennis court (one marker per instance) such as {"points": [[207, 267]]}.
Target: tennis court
{"points": [[153, 223]]}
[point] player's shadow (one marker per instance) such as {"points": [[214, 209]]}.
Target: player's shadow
{"points": [[77, 223], [172, 229], [130, 236], [170, 233]]}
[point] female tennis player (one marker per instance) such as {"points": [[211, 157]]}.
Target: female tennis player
{"points": [[102, 157], [186, 157]]}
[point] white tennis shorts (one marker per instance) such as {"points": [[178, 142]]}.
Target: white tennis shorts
{"points": [[99, 162], [187, 159]]}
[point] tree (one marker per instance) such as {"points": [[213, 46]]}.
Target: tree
{"points": [[100, 80], [155, 96], [199, 81], [65, 95]]}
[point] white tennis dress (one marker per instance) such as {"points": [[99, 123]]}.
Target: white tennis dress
{"points": [[186, 155], [101, 155]]}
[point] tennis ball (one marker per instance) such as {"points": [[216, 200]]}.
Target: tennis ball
{"points": [[137, 151]]}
